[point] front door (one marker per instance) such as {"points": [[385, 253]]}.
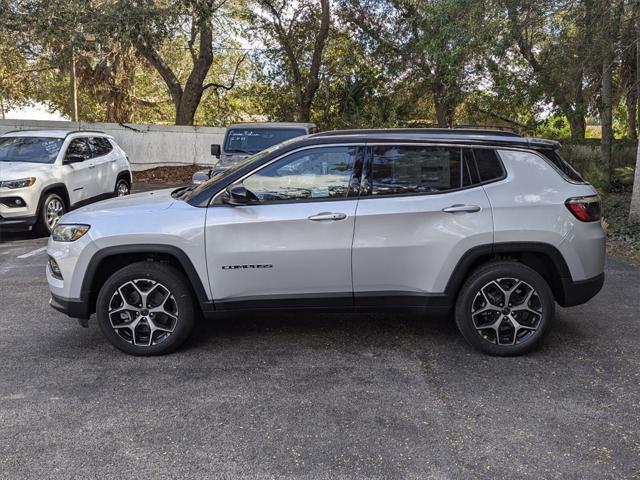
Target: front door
{"points": [[422, 207], [292, 245]]}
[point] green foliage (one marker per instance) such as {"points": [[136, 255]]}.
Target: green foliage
{"points": [[616, 214], [555, 126]]}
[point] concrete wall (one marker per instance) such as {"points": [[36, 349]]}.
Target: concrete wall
{"points": [[148, 146]]}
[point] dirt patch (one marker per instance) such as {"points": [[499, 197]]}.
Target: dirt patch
{"points": [[623, 251], [168, 175]]}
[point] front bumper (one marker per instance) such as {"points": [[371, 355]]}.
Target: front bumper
{"points": [[17, 223], [71, 307]]}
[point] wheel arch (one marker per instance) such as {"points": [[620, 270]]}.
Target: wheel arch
{"points": [[541, 257], [125, 174], [108, 260], [59, 189]]}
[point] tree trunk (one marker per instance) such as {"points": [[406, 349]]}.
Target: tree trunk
{"points": [[444, 113], [634, 208], [632, 103], [304, 108], [577, 124], [606, 87]]}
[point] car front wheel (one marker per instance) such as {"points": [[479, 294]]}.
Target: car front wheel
{"points": [[504, 308], [52, 208], [146, 308]]}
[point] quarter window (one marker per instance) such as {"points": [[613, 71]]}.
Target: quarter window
{"points": [[489, 166], [309, 174], [416, 169]]}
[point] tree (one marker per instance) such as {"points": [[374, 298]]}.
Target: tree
{"points": [[151, 25], [430, 47], [15, 80], [556, 40], [297, 34]]}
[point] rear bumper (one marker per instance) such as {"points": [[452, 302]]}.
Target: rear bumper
{"points": [[577, 293]]}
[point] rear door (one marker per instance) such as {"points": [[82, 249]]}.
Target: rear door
{"points": [[104, 159], [293, 245], [421, 208], [79, 176]]}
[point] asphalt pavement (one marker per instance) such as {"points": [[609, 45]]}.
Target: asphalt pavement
{"points": [[315, 396]]}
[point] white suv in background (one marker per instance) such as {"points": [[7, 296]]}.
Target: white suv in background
{"points": [[45, 173], [492, 226]]}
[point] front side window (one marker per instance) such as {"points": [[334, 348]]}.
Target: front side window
{"points": [[305, 175], [399, 169], [78, 146], [29, 149], [253, 140]]}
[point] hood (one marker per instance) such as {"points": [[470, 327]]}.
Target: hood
{"points": [[231, 158], [131, 205], [17, 170]]}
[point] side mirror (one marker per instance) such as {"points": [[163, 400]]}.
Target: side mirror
{"points": [[73, 158], [237, 195], [215, 150]]}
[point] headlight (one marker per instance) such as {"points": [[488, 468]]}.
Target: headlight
{"points": [[69, 233], [20, 183]]}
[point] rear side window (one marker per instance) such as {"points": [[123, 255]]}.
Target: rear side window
{"points": [[99, 146], [397, 170], [567, 170], [489, 166]]}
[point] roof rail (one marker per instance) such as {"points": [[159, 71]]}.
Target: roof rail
{"points": [[71, 132], [444, 131]]}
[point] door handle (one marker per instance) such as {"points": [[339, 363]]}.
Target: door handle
{"points": [[462, 209], [324, 216]]}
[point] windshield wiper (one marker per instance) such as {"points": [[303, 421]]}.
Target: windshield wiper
{"points": [[239, 150], [182, 192]]}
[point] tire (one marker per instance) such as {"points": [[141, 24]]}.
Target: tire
{"points": [[141, 331], [50, 211], [493, 326], [122, 188]]}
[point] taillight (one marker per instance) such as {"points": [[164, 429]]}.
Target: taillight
{"points": [[585, 209]]}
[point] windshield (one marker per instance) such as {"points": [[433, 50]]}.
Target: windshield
{"points": [[252, 140], [29, 149]]}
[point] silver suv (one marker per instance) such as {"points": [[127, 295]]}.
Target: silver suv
{"points": [[245, 139], [493, 226], [45, 173]]}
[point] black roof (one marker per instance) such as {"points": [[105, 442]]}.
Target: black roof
{"points": [[444, 135]]}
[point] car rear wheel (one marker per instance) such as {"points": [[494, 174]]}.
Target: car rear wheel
{"points": [[504, 308], [122, 188], [146, 308], [52, 208]]}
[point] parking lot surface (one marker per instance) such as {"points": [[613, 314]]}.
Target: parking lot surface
{"points": [[300, 395]]}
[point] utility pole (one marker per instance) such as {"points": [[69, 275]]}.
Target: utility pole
{"points": [[73, 80], [73, 84], [634, 208]]}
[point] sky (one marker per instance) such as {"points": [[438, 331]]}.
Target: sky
{"points": [[37, 111]]}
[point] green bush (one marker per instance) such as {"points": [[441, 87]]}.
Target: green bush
{"points": [[616, 214]]}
